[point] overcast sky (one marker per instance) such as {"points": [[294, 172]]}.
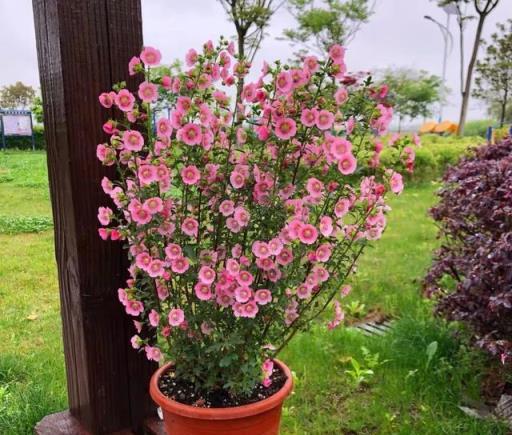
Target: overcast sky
{"points": [[397, 35]]}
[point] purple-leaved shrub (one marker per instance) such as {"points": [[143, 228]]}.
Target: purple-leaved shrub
{"points": [[472, 270]]}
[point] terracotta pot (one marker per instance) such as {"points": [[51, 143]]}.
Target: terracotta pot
{"points": [[260, 418]]}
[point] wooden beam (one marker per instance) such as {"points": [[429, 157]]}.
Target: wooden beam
{"points": [[83, 47]]}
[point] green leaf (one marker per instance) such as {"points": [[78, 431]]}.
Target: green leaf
{"points": [[431, 351]]}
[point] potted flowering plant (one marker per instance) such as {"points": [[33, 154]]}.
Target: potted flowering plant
{"points": [[242, 221]]}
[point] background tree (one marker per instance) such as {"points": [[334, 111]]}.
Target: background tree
{"points": [[413, 93], [250, 18], [323, 23], [482, 8], [37, 108], [16, 96], [494, 72]]}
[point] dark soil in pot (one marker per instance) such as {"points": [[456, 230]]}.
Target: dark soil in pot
{"points": [[184, 392]]}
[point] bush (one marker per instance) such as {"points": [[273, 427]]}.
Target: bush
{"points": [[472, 271], [436, 154], [25, 142], [478, 127]]}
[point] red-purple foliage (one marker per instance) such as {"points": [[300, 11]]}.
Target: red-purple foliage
{"points": [[472, 271]]}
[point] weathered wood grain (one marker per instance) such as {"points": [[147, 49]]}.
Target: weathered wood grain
{"points": [[83, 47]]}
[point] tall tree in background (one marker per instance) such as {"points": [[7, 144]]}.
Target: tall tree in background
{"points": [[323, 23], [250, 18], [494, 73], [37, 109], [482, 8], [16, 96], [413, 93]]}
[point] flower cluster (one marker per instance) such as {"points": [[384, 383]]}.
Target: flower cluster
{"points": [[242, 220]]}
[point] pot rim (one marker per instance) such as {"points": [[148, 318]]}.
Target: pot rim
{"points": [[230, 413]]}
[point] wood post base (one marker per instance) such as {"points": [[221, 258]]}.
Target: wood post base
{"points": [[63, 423]]}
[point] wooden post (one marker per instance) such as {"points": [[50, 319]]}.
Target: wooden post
{"points": [[83, 47]]}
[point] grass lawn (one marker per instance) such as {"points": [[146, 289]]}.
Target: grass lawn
{"points": [[408, 392]]}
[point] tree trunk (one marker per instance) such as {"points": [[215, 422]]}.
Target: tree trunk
{"points": [[504, 108], [469, 75]]}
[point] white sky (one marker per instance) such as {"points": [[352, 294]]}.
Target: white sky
{"points": [[397, 35]]}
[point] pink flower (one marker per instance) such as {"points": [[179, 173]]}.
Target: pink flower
{"points": [[153, 205], [133, 140], [134, 308], [164, 127], [233, 225], [136, 342], [122, 296], [284, 82], [275, 246], [326, 227], [263, 296], [260, 249], [156, 269], [321, 273], [243, 294], [153, 353], [341, 96], [285, 257], [311, 64], [203, 291], [308, 117], [345, 291], [285, 128], [151, 56], [303, 291], [141, 216], [173, 251], [107, 99], [315, 187], [349, 125], [308, 234], [324, 120], [338, 316], [134, 62], [154, 318], [339, 147], [241, 216], [237, 179], [347, 164], [206, 275], [190, 227], [396, 183], [104, 215], [190, 134], [191, 57], [190, 175], [250, 309], [143, 260], [125, 100], [323, 252], [147, 174], [176, 317], [227, 207], [245, 278], [180, 265], [232, 267], [148, 92], [342, 207], [337, 53]]}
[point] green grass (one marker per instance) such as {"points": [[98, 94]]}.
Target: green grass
{"points": [[406, 395]]}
